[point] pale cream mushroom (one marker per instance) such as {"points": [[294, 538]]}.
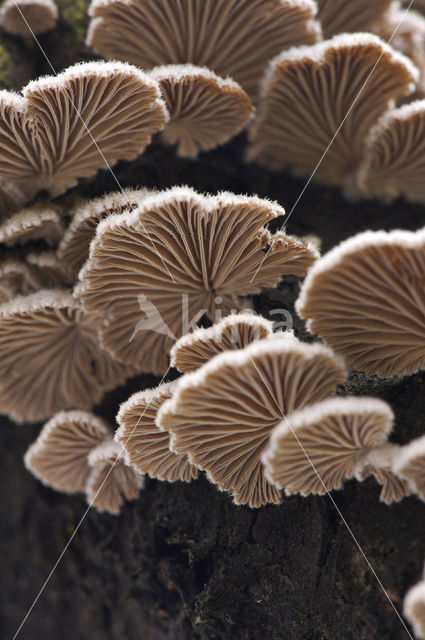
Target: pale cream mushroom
{"points": [[366, 299], [233, 38], [414, 609], [410, 465], [205, 110], [59, 456], [233, 332], [26, 17], [319, 103], [146, 446], [347, 16], [154, 272], [222, 415], [41, 221]]}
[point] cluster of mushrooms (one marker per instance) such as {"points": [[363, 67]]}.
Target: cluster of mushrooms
{"points": [[95, 292]]}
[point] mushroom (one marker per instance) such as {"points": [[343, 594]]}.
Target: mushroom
{"points": [[26, 17], [393, 163], [50, 358], [67, 127], [233, 38], [48, 269], [318, 104], [146, 446], [41, 221], [111, 479], [16, 278], [205, 110], [365, 298], [410, 465], [59, 456], [222, 415], [176, 257], [314, 449], [414, 609], [73, 250], [380, 464], [344, 16], [236, 331]]}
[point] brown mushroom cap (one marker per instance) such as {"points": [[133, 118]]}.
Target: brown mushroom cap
{"points": [[414, 609], [48, 269], [86, 118], [25, 17], [233, 332], [313, 450], [319, 103], [59, 456], [345, 16], [394, 160], [39, 221], [365, 298], [73, 251], [205, 110], [180, 255], [233, 38], [147, 447], [111, 480], [16, 278], [50, 358], [223, 414], [410, 465]]}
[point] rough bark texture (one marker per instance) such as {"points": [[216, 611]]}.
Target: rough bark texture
{"points": [[183, 562]]}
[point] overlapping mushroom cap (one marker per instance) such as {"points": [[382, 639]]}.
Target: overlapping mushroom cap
{"points": [[236, 331], [205, 110], [347, 16], [16, 278], [59, 456], [67, 127], [50, 358], [176, 257], [223, 414], [233, 38], [414, 609], [410, 464], [24, 17], [319, 103], [366, 299], [41, 221], [147, 447], [314, 449]]}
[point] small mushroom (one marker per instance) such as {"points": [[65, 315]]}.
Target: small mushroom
{"points": [[41, 221], [48, 269], [59, 456], [26, 17], [414, 609], [233, 332], [111, 480], [233, 38], [348, 16], [318, 104], [410, 465], [147, 447], [205, 110], [314, 449], [365, 298], [16, 278], [222, 415]]}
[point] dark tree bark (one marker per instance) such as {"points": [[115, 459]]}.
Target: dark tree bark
{"points": [[182, 562]]}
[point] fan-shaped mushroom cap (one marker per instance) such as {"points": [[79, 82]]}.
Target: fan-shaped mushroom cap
{"points": [[50, 358], [59, 456], [32, 223], [414, 609], [320, 102], [394, 160], [24, 17], [73, 251], [234, 38], [313, 450], [205, 110], [147, 447], [176, 257], [111, 480], [233, 332], [222, 415], [410, 465], [48, 269], [16, 278], [366, 299], [68, 126], [344, 16]]}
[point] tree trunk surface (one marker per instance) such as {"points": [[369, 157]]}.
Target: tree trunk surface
{"points": [[182, 562]]}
